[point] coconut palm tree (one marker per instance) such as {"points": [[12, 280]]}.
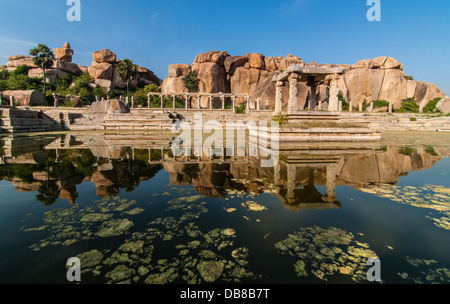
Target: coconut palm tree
{"points": [[43, 57], [127, 71]]}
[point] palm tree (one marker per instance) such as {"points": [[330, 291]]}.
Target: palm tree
{"points": [[43, 57], [127, 71]]}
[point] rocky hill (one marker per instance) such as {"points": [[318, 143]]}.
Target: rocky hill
{"points": [[103, 70], [381, 78]]}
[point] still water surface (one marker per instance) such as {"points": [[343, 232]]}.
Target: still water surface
{"points": [[133, 214]]}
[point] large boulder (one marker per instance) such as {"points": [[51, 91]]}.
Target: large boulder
{"points": [[256, 61], [100, 109], [212, 56], [233, 62], [65, 53], [212, 78], [26, 98], [179, 70], [102, 70], [383, 78], [444, 105], [173, 85], [68, 67], [18, 60], [289, 60], [104, 55], [149, 76], [243, 80]]}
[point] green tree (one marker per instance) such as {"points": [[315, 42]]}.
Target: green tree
{"points": [[43, 57], [127, 71], [191, 82]]}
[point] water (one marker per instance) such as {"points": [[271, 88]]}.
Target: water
{"points": [[132, 217]]}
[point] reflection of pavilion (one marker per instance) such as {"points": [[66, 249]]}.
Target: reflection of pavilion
{"points": [[298, 195]]}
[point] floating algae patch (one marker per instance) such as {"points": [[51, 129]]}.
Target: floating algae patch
{"points": [[253, 206], [101, 218], [326, 252], [425, 271], [115, 227], [433, 197]]}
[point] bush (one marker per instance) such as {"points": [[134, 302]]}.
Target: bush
{"points": [[409, 77], [409, 105], [20, 70], [240, 109], [191, 82], [431, 106], [380, 103], [345, 104]]}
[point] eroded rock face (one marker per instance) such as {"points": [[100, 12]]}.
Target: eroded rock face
{"points": [[102, 70], [383, 78], [444, 105]]}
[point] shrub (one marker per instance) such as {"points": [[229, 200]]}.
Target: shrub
{"points": [[380, 103], [431, 106], [240, 109], [409, 77], [409, 105], [20, 70], [345, 104], [191, 82]]}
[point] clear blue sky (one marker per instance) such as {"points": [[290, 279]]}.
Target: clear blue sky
{"points": [[156, 34]]}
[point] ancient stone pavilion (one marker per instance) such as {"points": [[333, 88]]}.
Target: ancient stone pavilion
{"points": [[312, 75]]}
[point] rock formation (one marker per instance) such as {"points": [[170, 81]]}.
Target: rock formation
{"points": [[64, 54], [26, 98], [381, 78], [104, 72]]}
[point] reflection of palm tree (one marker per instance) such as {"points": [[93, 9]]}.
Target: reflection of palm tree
{"points": [[48, 193]]}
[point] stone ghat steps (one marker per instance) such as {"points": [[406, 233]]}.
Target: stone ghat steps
{"points": [[15, 120]]}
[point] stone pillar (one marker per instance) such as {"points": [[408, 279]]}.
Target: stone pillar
{"points": [[233, 100], [96, 98], [186, 100], [149, 101], [293, 101], [173, 101], [11, 101], [132, 101], [247, 104], [360, 106], [210, 102], [278, 97], [222, 98], [333, 102], [313, 96], [350, 107], [390, 107], [340, 106], [258, 104]]}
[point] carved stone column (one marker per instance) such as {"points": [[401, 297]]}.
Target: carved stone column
{"points": [[278, 97], [293, 101], [333, 102]]}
